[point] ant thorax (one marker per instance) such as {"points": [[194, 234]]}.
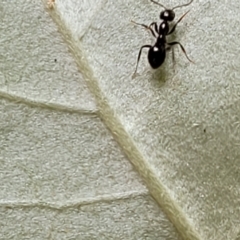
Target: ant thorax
{"points": [[163, 28]]}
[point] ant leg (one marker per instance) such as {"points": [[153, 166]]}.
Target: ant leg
{"points": [[139, 55], [155, 26], [175, 25], [168, 48], [174, 43], [173, 60], [148, 27]]}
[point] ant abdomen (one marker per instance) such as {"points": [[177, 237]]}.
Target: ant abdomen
{"points": [[156, 56]]}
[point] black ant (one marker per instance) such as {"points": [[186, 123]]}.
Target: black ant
{"points": [[157, 52]]}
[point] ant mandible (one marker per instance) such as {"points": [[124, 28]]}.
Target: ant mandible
{"points": [[157, 52]]}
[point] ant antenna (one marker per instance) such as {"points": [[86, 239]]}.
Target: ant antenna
{"points": [[183, 5], [159, 4], [174, 7]]}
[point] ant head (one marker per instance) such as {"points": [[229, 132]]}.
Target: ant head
{"points": [[167, 15]]}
